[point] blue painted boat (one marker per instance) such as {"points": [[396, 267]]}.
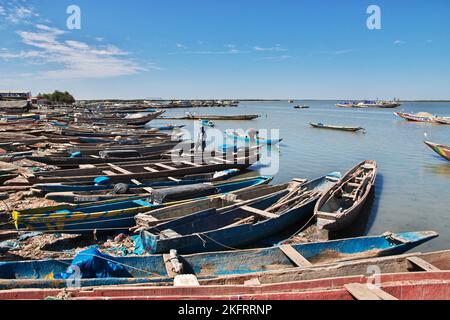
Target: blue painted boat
{"points": [[259, 141], [119, 215], [207, 123], [166, 127], [157, 269], [211, 230], [165, 182]]}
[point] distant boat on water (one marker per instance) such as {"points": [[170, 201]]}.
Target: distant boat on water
{"points": [[369, 104], [333, 127], [301, 107], [418, 117]]}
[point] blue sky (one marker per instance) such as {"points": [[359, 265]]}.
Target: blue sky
{"points": [[227, 49]]}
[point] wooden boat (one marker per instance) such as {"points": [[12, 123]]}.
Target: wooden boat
{"points": [[163, 268], [215, 117], [432, 285], [419, 117], [301, 107], [207, 123], [342, 128], [121, 191], [341, 205], [246, 139], [122, 120], [233, 200], [119, 215], [409, 262], [440, 149], [442, 120], [209, 230], [167, 127], [163, 182], [145, 170]]}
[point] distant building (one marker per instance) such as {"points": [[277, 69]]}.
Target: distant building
{"points": [[15, 95]]}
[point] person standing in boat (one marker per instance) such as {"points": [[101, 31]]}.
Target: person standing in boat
{"points": [[201, 141]]}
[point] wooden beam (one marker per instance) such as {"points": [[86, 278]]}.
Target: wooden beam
{"points": [[191, 163], [117, 168], [367, 291], [265, 214], [164, 166], [295, 256], [150, 169], [422, 264], [109, 173]]}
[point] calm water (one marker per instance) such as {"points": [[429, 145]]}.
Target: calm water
{"points": [[413, 184]]}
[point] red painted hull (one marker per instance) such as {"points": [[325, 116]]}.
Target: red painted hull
{"points": [[404, 286]]}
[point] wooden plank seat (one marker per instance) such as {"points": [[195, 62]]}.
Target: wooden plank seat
{"points": [[265, 214], [295, 256]]}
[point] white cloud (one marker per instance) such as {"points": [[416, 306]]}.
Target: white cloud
{"points": [[344, 51], [399, 42], [2, 11], [180, 46], [19, 14], [76, 59], [276, 58], [275, 48]]}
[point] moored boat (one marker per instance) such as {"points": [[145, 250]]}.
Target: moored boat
{"points": [[334, 127], [342, 204], [163, 268], [440, 149], [418, 117], [254, 139], [210, 230], [119, 215]]}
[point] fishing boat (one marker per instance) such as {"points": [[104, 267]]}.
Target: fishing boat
{"points": [[379, 104], [190, 116], [161, 269], [140, 120], [301, 107], [143, 170], [94, 193], [255, 139], [403, 263], [442, 120], [440, 149], [206, 123], [163, 182], [342, 204], [119, 215], [418, 117], [333, 127], [167, 127], [209, 230], [145, 221], [348, 105]]}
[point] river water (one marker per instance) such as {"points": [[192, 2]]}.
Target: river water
{"points": [[413, 183]]}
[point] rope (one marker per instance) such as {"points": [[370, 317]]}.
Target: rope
{"points": [[217, 242], [300, 230]]}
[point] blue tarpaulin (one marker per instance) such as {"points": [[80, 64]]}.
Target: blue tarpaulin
{"points": [[93, 264]]}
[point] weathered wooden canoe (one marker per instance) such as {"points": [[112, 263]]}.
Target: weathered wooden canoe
{"points": [[410, 262], [341, 205], [259, 141], [163, 182], [122, 191], [160, 268], [210, 230], [440, 149], [215, 117], [332, 127], [123, 120], [119, 215], [234, 199], [419, 117], [432, 285], [144, 171]]}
